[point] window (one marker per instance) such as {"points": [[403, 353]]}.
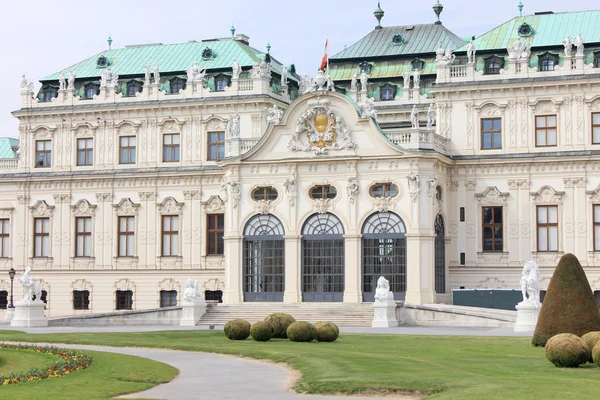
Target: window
{"points": [[124, 300], [493, 65], [127, 150], [264, 193], [492, 228], [387, 93], [323, 192], [597, 60], [398, 39], [170, 235], [596, 128], [547, 62], [216, 146], [220, 83], [83, 237], [133, 88], [176, 85], [545, 130], [365, 67], [171, 147], [43, 153], [126, 237], [525, 30], [547, 228], [215, 230], [4, 238], [3, 299], [383, 190], [213, 295], [491, 133], [81, 300], [596, 227], [85, 151], [207, 54], [49, 93], [41, 237], [91, 90], [168, 298]]}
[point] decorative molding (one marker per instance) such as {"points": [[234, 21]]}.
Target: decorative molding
{"points": [[170, 284], [492, 195], [41, 209], [594, 195], [83, 130], [547, 195], [192, 194], [126, 208], [232, 191], [490, 109], [83, 209], [82, 284], [23, 198], [492, 283], [541, 106], [169, 206], [104, 197], [214, 205], [322, 206], [213, 284], [263, 206], [147, 196], [125, 284], [353, 189], [383, 204], [62, 198]]}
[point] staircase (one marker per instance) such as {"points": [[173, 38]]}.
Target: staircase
{"points": [[340, 314]]}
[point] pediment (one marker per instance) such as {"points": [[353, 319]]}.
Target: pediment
{"points": [[318, 126]]}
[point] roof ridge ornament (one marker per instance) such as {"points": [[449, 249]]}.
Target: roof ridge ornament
{"points": [[378, 13], [437, 9], [520, 7]]}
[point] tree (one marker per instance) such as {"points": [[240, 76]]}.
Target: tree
{"points": [[569, 305]]}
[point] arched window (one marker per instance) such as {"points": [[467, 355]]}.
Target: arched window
{"points": [[91, 90], [133, 88], [384, 254], [440, 255], [264, 193], [417, 64], [264, 259], [176, 85], [323, 259]]}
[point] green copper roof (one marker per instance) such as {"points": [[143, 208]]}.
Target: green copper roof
{"points": [[548, 30], [379, 69], [6, 147], [131, 60], [418, 39]]}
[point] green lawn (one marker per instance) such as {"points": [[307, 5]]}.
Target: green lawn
{"points": [[21, 361], [109, 375], [442, 367]]}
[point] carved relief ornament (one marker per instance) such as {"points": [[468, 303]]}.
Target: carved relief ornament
{"points": [[126, 207], [214, 205], [41, 209], [83, 209], [547, 195], [492, 195], [169, 206], [594, 195], [490, 109]]}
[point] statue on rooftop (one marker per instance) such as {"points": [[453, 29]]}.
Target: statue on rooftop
{"points": [[307, 84], [108, 79], [514, 51], [284, 76], [237, 69], [471, 50], [530, 283], [416, 78], [195, 74], [156, 75], [579, 45], [414, 117], [61, 81], [430, 117], [447, 59], [406, 77], [26, 84], [367, 109], [71, 81], [354, 83], [146, 75], [261, 70], [568, 46], [439, 53], [364, 80]]}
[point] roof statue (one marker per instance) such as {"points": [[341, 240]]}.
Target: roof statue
{"points": [[195, 74], [146, 75], [108, 79], [439, 52], [71, 81], [416, 78], [274, 115], [367, 109], [156, 74], [414, 117], [568, 46], [261, 70], [519, 51], [237, 69], [471, 50], [307, 84], [406, 76], [364, 80], [446, 59], [26, 85], [284, 76], [579, 45], [430, 117], [354, 83], [62, 83]]}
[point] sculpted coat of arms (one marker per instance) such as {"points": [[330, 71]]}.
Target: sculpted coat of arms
{"points": [[324, 130]]}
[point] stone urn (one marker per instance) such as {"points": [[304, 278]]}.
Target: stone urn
{"points": [[321, 80]]}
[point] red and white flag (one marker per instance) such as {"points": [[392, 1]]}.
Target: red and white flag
{"points": [[325, 61]]}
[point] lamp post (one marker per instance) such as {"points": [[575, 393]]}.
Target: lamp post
{"points": [[11, 274]]}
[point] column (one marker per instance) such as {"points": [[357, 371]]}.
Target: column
{"points": [[293, 269], [420, 267], [233, 269], [352, 273]]}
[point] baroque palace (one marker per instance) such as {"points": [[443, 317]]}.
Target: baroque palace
{"points": [[436, 161]]}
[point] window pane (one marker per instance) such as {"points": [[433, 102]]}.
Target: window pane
{"points": [[45, 246], [221, 223], [498, 238], [175, 244], [553, 215], [497, 124], [553, 238], [597, 238], [130, 245], [498, 215], [540, 122], [166, 245], [130, 224], [551, 121], [542, 215], [597, 214], [166, 223], [122, 245], [497, 140], [487, 215], [551, 137], [175, 139], [542, 239], [221, 151], [174, 223], [486, 124], [132, 156], [596, 135], [212, 153], [487, 239], [541, 138], [486, 140], [88, 246], [596, 118]]}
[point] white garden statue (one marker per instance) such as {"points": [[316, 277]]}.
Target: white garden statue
{"points": [[383, 293], [30, 288], [191, 293], [530, 283], [193, 306]]}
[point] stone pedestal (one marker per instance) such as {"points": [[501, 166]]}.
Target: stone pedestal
{"points": [[10, 313], [527, 316], [385, 314], [29, 314], [192, 312]]}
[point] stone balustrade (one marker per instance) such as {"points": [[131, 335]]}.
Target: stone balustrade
{"points": [[418, 138], [247, 144], [8, 163]]}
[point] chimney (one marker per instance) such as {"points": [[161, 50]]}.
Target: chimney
{"points": [[242, 39]]}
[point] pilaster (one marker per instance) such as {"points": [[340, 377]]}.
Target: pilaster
{"points": [[352, 273], [293, 266]]}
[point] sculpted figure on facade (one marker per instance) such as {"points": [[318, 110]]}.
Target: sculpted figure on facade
{"points": [[414, 117], [307, 84], [233, 126], [568, 45], [367, 109], [108, 79], [146, 75], [237, 69], [291, 188], [353, 188], [530, 284], [191, 294], [195, 74], [431, 187], [330, 84], [414, 186], [406, 77], [62, 83], [71, 81], [156, 74], [430, 117], [26, 85], [519, 50], [471, 50], [579, 46], [232, 192], [364, 81], [447, 59], [439, 53], [354, 83], [261, 70], [284, 76], [274, 115], [30, 288], [383, 293], [417, 78]]}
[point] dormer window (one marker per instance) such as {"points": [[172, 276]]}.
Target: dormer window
{"points": [[387, 92], [493, 65], [133, 88], [48, 93], [417, 64], [547, 62], [91, 90], [398, 39], [221, 82], [207, 54], [102, 62], [176, 85], [525, 30], [597, 60], [365, 67]]}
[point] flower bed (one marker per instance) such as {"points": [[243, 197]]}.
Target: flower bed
{"points": [[70, 361]]}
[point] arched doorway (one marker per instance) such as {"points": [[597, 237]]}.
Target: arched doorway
{"points": [[384, 254], [440, 255], [323, 259], [264, 259]]}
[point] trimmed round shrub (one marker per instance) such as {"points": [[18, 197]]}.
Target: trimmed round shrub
{"points": [[280, 322], [596, 354], [590, 340], [261, 331], [569, 305], [302, 332], [327, 331], [238, 329], [566, 350]]}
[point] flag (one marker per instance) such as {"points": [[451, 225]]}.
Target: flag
{"points": [[325, 61]]}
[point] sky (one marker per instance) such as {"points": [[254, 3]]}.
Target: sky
{"points": [[41, 37]]}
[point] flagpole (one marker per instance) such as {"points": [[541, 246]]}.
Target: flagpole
{"points": [[327, 51]]}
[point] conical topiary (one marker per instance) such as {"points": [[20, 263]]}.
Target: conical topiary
{"points": [[569, 305]]}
